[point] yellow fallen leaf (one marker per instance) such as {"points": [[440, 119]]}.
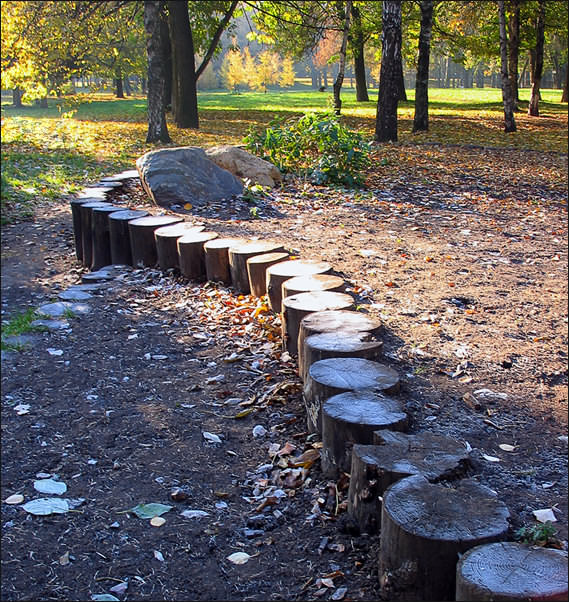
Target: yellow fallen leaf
{"points": [[188, 206]]}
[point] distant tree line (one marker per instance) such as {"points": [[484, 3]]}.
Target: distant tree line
{"points": [[166, 47]]}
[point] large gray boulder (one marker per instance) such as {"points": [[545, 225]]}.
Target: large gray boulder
{"points": [[185, 175], [244, 165]]}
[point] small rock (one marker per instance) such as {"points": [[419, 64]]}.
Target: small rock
{"points": [[179, 495]]}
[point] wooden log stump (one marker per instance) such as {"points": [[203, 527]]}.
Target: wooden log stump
{"points": [[238, 257], [353, 417], [217, 258], [121, 253], [508, 571], [394, 456], [424, 529], [330, 321], [142, 241], [297, 307], [100, 235], [257, 271], [285, 270], [332, 376], [315, 282], [192, 255], [76, 217], [167, 243], [339, 343], [86, 211]]}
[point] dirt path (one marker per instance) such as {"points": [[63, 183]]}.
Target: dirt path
{"points": [[469, 276]]}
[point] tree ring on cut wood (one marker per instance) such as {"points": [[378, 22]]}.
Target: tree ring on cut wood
{"points": [[119, 234], [238, 257], [166, 243], [353, 417], [142, 241], [511, 571], [257, 270], [192, 255], [285, 270], [424, 529], [314, 282], [295, 308], [339, 343], [332, 376], [394, 456], [217, 258], [329, 321]]}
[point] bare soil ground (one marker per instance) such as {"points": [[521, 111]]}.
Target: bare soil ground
{"points": [[461, 252]]}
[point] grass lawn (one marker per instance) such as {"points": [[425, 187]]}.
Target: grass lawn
{"points": [[47, 153]]}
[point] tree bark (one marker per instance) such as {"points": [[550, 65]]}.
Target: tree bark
{"points": [[421, 118], [118, 84], [17, 94], [509, 121], [359, 61], [564, 95], [157, 128], [401, 94], [388, 97], [184, 89], [342, 63], [513, 50], [533, 108], [127, 86]]}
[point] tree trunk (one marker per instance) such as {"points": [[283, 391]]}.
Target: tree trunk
{"points": [[388, 97], [513, 50], [509, 121], [157, 128], [359, 61], [401, 94], [118, 84], [533, 108], [421, 119], [564, 95], [127, 86], [17, 94], [342, 64], [184, 90], [166, 49]]}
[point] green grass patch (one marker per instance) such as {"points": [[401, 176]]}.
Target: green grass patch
{"points": [[49, 153], [18, 325]]}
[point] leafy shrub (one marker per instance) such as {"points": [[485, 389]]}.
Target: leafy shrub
{"points": [[540, 535], [316, 146]]}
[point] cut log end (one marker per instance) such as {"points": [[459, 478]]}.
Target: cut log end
{"points": [[351, 418], [424, 529], [297, 307], [238, 257], [509, 571], [217, 258], [257, 267]]}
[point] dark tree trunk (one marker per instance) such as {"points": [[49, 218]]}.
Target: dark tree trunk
{"points": [[118, 84], [421, 119], [402, 95], [314, 76], [342, 63], [359, 61], [564, 95], [184, 89], [533, 108], [17, 94], [509, 121], [513, 50], [127, 86], [388, 97], [157, 128], [166, 49]]}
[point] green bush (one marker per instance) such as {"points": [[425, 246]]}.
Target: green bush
{"points": [[316, 146]]}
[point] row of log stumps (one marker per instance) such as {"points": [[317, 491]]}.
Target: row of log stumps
{"points": [[442, 534]]}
